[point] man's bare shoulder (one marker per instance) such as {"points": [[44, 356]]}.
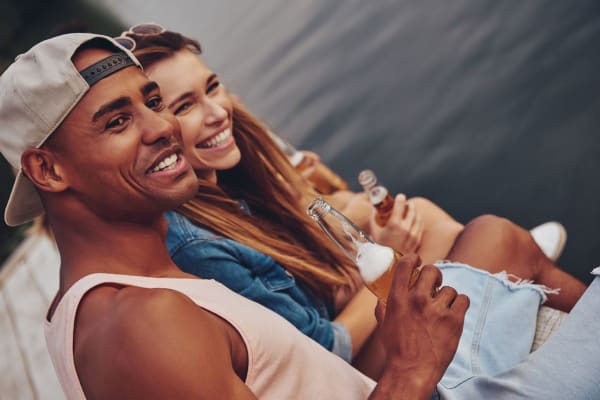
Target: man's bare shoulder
{"points": [[132, 336]]}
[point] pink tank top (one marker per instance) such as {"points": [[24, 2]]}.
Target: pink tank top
{"points": [[283, 363]]}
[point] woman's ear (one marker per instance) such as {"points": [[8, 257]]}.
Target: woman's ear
{"points": [[43, 169]]}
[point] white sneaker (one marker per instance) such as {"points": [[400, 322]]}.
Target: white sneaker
{"points": [[551, 237]]}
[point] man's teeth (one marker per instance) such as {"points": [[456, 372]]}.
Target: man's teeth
{"points": [[166, 163], [216, 140]]}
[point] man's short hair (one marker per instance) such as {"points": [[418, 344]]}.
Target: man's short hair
{"points": [[37, 91]]}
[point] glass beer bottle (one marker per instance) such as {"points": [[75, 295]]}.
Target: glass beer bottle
{"points": [[379, 196], [323, 179], [376, 263]]}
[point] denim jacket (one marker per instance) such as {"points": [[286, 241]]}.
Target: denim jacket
{"points": [[256, 276]]}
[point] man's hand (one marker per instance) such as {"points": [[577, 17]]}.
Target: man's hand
{"points": [[403, 231], [420, 328]]}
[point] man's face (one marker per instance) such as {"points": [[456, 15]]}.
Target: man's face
{"points": [[120, 147]]}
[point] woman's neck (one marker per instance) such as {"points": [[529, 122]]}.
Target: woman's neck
{"points": [[209, 175]]}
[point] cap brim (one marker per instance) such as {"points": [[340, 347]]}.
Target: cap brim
{"points": [[24, 203]]}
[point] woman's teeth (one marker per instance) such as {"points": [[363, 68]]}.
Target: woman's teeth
{"points": [[216, 140], [166, 163]]}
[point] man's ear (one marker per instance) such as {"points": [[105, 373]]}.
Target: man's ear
{"points": [[43, 169]]}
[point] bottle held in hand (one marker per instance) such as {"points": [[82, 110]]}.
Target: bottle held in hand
{"points": [[379, 196], [375, 263], [323, 179]]}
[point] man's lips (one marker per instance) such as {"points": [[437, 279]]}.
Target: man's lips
{"points": [[165, 160]]}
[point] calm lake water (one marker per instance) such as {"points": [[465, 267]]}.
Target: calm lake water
{"points": [[483, 106]]}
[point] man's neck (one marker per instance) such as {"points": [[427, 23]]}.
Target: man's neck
{"points": [[99, 246]]}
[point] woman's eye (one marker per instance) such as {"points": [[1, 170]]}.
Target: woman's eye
{"points": [[181, 108], [155, 103], [213, 86]]}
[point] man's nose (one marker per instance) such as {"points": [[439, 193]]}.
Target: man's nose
{"points": [[157, 127]]}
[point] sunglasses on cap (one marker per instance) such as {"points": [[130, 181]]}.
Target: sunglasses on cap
{"points": [[146, 29]]}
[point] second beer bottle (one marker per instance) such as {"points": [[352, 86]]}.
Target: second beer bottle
{"points": [[379, 196]]}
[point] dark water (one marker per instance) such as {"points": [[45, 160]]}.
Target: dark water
{"points": [[483, 106]]}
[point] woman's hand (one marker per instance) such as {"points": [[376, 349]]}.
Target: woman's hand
{"points": [[403, 231], [313, 160]]}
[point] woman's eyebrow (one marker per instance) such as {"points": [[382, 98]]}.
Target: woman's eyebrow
{"points": [[211, 78], [184, 96]]}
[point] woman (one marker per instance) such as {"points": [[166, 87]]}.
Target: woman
{"points": [[247, 227]]}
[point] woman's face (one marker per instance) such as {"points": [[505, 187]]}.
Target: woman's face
{"points": [[203, 108]]}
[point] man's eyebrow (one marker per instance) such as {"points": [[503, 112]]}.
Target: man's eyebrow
{"points": [[149, 88], [123, 101], [111, 106]]}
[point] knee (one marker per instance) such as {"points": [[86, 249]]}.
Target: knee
{"points": [[433, 214], [489, 221], [501, 229], [421, 201]]}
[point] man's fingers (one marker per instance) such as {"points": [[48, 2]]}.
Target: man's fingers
{"points": [[404, 268], [461, 303], [445, 295], [380, 312], [429, 280]]}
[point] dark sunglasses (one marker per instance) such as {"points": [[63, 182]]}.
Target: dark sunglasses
{"points": [[146, 29]]}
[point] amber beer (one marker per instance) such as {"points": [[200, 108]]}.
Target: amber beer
{"points": [[383, 202], [323, 179], [378, 195], [377, 270]]}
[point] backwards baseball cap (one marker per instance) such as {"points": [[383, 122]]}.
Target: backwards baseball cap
{"points": [[37, 92]]}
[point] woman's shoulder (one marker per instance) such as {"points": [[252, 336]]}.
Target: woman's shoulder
{"points": [[184, 236], [181, 230]]}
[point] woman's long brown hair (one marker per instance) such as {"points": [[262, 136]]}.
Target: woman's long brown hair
{"points": [[264, 178]]}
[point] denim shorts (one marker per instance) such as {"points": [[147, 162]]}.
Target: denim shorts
{"points": [[565, 367], [499, 325]]}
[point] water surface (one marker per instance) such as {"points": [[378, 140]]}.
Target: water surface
{"points": [[480, 105]]}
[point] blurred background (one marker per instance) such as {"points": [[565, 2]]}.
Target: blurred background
{"points": [[483, 106]]}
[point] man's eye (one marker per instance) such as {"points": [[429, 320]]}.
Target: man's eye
{"points": [[181, 108], [155, 103], [116, 122]]}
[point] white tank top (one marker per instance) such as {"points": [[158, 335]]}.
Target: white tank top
{"points": [[283, 363]]}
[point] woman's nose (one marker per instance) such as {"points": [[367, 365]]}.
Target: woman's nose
{"points": [[216, 113]]}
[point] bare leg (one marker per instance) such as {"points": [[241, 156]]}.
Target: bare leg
{"points": [[496, 244], [440, 230]]}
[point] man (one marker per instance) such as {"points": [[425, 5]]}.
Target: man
{"points": [[101, 156]]}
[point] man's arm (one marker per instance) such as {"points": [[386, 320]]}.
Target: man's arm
{"points": [[420, 330], [157, 344]]}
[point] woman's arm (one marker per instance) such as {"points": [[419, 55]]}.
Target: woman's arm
{"points": [[359, 318], [259, 278]]}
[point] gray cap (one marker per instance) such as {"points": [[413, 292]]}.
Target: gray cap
{"points": [[37, 92]]}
